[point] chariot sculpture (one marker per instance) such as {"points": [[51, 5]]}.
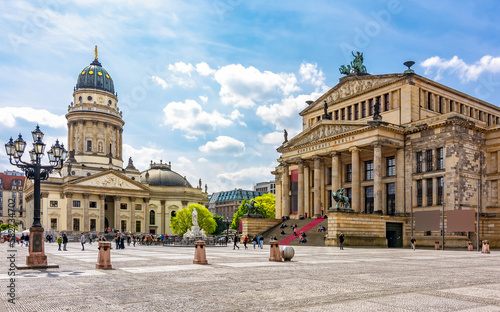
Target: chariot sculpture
{"points": [[341, 199]]}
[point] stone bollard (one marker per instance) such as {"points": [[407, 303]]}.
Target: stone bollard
{"points": [[200, 256], [486, 247], [104, 256], [470, 246], [436, 245], [275, 251]]}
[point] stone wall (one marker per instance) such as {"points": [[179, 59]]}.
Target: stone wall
{"points": [[255, 226]]}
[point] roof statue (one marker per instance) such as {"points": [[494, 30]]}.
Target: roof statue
{"points": [[285, 135], [356, 65], [326, 115]]}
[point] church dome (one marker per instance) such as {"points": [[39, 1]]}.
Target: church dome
{"points": [[95, 76], [162, 175]]}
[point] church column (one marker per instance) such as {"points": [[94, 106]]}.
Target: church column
{"points": [[300, 196], [322, 186], [132, 214], [356, 187], [400, 181], [70, 136], [317, 183], [285, 178], [146, 215], [81, 138], [107, 148], [278, 185], [307, 207], [163, 208], [335, 171], [377, 179], [94, 137], [86, 222], [102, 216], [117, 212], [120, 132], [69, 212]]}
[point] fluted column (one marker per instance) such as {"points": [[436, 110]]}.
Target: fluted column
{"points": [[356, 186], [279, 212], [285, 191], [69, 211], [117, 212], [317, 183], [163, 208], [377, 178], [132, 214], [71, 133], [400, 181], [81, 138], [107, 148], [94, 137], [307, 207], [146, 215], [86, 222], [336, 178], [102, 213], [300, 195]]}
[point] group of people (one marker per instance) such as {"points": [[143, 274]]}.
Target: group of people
{"points": [[257, 240]]}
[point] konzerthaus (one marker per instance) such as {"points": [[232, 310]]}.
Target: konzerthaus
{"points": [[432, 146]]}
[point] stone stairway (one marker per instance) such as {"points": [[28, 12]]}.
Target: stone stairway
{"points": [[314, 238]]}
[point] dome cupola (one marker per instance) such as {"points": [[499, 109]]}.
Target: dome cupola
{"points": [[95, 76], [162, 175]]}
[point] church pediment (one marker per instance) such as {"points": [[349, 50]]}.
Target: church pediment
{"points": [[109, 179]]}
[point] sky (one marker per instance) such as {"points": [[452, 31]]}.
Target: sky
{"points": [[210, 85]]}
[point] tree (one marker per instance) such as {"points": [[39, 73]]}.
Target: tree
{"points": [[221, 226], [183, 220], [266, 204], [5, 226]]}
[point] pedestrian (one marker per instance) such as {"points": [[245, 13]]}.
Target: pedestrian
{"points": [[23, 238], [27, 238], [117, 242], [122, 242], [236, 241], [261, 242], [90, 239], [413, 241], [65, 241], [254, 241], [59, 242], [341, 240], [82, 240], [245, 241]]}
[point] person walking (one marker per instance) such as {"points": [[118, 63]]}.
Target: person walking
{"points": [[413, 241], [236, 241], [341, 240], [254, 241], [90, 239], [261, 242], [117, 242], [65, 241], [82, 240], [59, 242], [245, 241]]}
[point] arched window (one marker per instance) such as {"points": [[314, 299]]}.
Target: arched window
{"points": [[152, 217], [173, 214]]}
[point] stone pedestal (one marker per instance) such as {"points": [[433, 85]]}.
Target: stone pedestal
{"points": [[486, 247], [470, 246], [36, 258], [104, 256], [200, 256], [275, 251]]}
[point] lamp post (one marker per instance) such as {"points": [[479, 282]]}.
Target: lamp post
{"points": [[36, 171]]}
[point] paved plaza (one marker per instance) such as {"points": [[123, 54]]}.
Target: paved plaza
{"points": [[156, 278]]}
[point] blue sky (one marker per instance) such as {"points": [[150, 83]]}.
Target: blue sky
{"points": [[210, 85]]}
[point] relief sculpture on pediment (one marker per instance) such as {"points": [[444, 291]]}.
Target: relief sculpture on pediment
{"points": [[351, 88], [110, 181], [323, 132]]}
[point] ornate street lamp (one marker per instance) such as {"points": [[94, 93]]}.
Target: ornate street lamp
{"points": [[36, 171]]}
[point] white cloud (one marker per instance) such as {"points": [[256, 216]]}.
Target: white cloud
{"points": [[185, 68], [465, 71], [224, 145], [162, 83], [274, 138], [183, 162], [142, 157], [190, 117], [203, 69], [309, 73], [247, 174], [43, 117], [202, 160], [236, 114], [242, 87], [203, 99]]}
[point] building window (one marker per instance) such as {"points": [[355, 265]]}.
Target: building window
{"points": [[356, 111], [369, 170], [349, 113], [370, 106], [369, 199], [53, 223], [363, 109], [173, 213], [124, 225], [391, 198], [440, 186], [76, 203], [451, 106], [92, 224], [123, 206], [76, 225], [336, 115], [419, 161], [429, 192], [152, 217], [386, 102], [138, 207], [419, 193], [428, 160], [348, 173], [14, 195], [429, 107], [390, 168], [329, 178], [343, 113], [54, 204], [348, 193], [138, 226], [440, 159], [92, 204], [89, 146], [440, 104]]}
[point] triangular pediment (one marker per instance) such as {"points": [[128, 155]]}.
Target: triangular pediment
{"points": [[351, 86], [109, 179], [323, 130]]}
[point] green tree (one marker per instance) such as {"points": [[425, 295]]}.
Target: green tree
{"points": [[5, 226], [221, 226], [183, 220], [266, 204]]}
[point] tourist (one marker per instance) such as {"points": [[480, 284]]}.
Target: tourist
{"points": [[413, 241], [59, 241], [65, 241], [261, 241], [254, 241], [245, 241], [82, 240], [341, 240], [27, 240], [128, 240], [117, 242], [326, 236], [90, 239], [122, 242], [23, 238], [235, 241], [282, 232]]}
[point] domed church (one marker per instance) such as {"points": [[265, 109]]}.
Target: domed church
{"points": [[93, 191]]}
